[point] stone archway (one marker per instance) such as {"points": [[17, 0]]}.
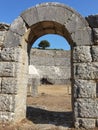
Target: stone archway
{"points": [[42, 19]]}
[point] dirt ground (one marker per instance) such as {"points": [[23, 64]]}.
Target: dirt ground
{"points": [[49, 110], [52, 98], [52, 106]]}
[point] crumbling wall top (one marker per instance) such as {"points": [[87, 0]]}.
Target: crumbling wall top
{"points": [[4, 27], [92, 20]]}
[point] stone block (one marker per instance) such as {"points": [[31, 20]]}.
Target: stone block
{"points": [[7, 69], [46, 12], [95, 32], [18, 26], [9, 85], [10, 54], [23, 58], [30, 16], [7, 103], [6, 117], [94, 52], [82, 54], [53, 12], [86, 70], [21, 70], [12, 39], [74, 22], [20, 102], [82, 37], [87, 108], [85, 123], [84, 89]]}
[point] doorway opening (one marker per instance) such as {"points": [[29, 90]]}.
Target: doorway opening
{"points": [[49, 96]]}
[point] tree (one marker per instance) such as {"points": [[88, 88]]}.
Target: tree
{"points": [[44, 44]]}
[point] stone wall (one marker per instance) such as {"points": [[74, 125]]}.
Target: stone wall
{"points": [[15, 40], [13, 73], [86, 80], [52, 65]]}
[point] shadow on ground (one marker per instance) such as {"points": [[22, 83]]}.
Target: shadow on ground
{"points": [[41, 116]]}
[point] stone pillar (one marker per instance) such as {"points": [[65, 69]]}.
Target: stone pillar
{"points": [[13, 72], [22, 80], [33, 81], [84, 86], [7, 68], [33, 84], [13, 83]]}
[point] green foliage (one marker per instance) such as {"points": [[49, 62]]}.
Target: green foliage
{"points": [[44, 44]]}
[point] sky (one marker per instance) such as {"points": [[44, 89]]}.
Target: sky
{"points": [[11, 9]]}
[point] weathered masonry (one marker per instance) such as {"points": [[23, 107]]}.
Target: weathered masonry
{"points": [[48, 67], [15, 43], [52, 66]]}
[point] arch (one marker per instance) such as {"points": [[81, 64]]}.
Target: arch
{"points": [[54, 15], [42, 19]]}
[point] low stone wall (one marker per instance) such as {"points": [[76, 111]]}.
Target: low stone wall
{"points": [[53, 66]]}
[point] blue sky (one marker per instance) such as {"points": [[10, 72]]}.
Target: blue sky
{"points": [[11, 9]]}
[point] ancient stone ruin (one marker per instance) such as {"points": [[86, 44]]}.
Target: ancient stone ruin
{"points": [[50, 67], [15, 44]]}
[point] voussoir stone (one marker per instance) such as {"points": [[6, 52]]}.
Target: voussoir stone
{"points": [[82, 37], [51, 12], [18, 26], [30, 16]]}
